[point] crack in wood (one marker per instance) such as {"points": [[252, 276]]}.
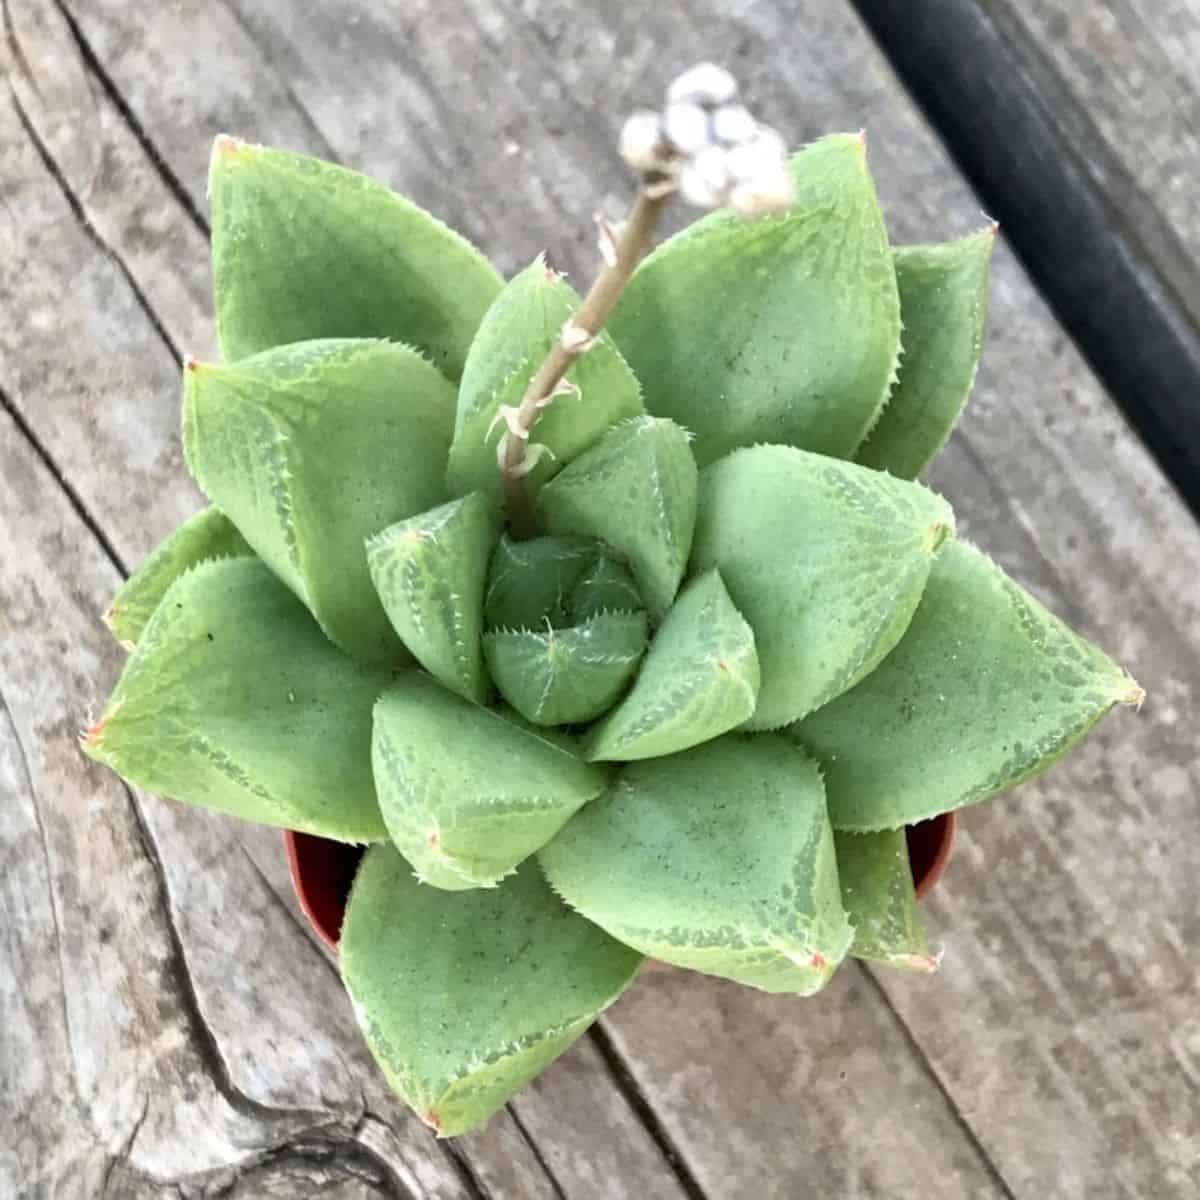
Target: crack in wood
{"points": [[112, 92], [17, 50], [76, 206], [47, 460], [177, 967], [536, 1151], [927, 1066], [624, 1081], [55, 920]]}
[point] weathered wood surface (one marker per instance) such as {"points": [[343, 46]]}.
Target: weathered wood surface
{"points": [[1080, 124], [169, 1028]]}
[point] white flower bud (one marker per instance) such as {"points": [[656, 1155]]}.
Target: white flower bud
{"points": [[641, 143], [733, 124], [764, 155], [706, 84], [774, 191], [686, 128], [704, 181], [711, 146]]}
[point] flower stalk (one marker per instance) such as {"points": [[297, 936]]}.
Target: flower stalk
{"points": [[622, 253], [707, 147]]}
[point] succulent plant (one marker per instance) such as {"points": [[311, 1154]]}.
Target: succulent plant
{"points": [[612, 638]]}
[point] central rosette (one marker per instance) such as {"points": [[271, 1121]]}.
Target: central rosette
{"points": [[565, 628]]}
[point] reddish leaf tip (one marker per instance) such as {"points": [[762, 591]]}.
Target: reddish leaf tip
{"points": [[227, 146], [433, 1120], [927, 964], [92, 734]]}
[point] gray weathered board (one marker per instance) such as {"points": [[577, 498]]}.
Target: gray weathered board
{"points": [[1080, 123], [169, 1028]]}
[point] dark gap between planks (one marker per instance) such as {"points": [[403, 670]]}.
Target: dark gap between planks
{"points": [[981, 93]]}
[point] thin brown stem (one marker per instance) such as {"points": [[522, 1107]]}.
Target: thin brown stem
{"points": [[576, 339]]}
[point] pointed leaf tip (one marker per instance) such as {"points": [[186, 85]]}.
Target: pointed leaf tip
{"points": [[784, 330], [429, 571], [227, 146], [518, 330], [358, 260], [460, 1021], [827, 597], [635, 490], [880, 900], [986, 683], [700, 680], [288, 746], [468, 793], [336, 438], [943, 304], [719, 858]]}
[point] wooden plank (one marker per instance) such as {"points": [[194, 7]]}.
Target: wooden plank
{"points": [[1075, 1116], [131, 1068], [1079, 125], [203, 859], [1078, 521], [565, 1110]]}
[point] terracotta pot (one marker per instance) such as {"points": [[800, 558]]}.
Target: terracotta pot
{"points": [[323, 870], [930, 844]]}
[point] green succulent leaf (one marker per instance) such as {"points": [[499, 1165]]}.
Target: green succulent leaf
{"points": [[233, 699], [943, 301], [566, 676], [784, 329], [986, 689], [464, 998], [430, 571], [304, 249], [520, 328], [636, 491], [700, 680], [468, 793], [530, 583], [310, 449], [879, 899], [606, 586], [825, 559], [209, 534], [720, 859]]}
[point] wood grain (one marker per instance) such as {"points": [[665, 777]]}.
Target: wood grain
{"points": [[288, 995], [1057, 1053], [1079, 124], [595, 1114]]}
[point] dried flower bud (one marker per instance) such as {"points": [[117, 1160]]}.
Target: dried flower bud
{"points": [[710, 147], [706, 84], [686, 127], [704, 180], [757, 156], [642, 145], [732, 124]]}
